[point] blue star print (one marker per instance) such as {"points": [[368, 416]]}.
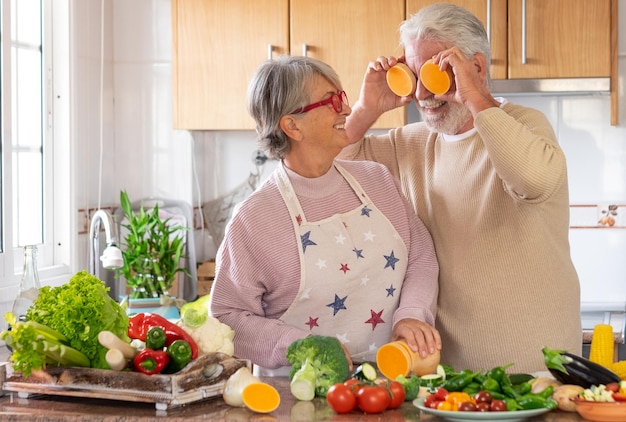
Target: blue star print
{"points": [[338, 304], [390, 290], [306, 241], [358, 252], [365, 211], [391, 261]]}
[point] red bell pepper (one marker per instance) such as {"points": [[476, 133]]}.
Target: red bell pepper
{"points": [[139, 324], [150, 361]]}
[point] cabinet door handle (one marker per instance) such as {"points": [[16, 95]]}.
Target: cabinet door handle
{"points": [[305, 49], [270, 49], [489, 20], [523, 31]]}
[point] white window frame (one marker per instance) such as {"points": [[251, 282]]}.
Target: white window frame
{"points": [[55, 253]]}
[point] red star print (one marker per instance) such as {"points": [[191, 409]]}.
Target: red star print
{"points": [[344, 268], [375, 319], [312, 323], [299, 219]]}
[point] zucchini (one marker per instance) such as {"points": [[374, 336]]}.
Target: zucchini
{"points": [[431, 381], [569, 368], [365, 371]]}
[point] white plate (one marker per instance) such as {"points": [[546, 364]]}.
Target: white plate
{"points": [[511, 416]]}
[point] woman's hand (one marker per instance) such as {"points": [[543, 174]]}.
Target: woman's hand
{"points": [[419, 335]]}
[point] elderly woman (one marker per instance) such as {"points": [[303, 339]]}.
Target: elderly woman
{"points": [[323, 247]]}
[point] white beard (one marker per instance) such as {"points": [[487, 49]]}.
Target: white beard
{"points": [[449, 122]]}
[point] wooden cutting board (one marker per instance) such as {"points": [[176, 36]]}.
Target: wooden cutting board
{"points": [[202, 378]]}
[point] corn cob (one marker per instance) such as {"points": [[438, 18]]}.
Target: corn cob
{"points": [[602, 345], [619, 368]]}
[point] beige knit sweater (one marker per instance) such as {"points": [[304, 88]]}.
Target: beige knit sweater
{"points": [[497, 206]]}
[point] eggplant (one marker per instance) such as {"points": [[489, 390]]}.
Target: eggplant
{"points": [[569, 368]]}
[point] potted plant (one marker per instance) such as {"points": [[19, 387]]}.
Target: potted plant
{"points": [[152, 251]]}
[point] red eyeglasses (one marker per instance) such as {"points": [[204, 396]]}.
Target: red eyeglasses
{"points": [[336, 100]]}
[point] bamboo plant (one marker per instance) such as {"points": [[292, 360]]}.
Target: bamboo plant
{"points": [[152, 251]]}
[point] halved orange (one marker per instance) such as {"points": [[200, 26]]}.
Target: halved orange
{"points": [[401, 80], [434, 79], [260, 397]]}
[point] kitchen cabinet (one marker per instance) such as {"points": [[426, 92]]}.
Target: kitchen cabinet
{"points": [[217, 45], [543, 39], [538, 39], [347, 35]]}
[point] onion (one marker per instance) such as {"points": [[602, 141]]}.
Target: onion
{"points": [[233, 388]]}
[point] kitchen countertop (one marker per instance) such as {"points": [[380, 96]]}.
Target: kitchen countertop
{"points": [[62, 408], [56, 408]]}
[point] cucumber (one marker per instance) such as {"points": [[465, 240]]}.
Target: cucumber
{"points": [[365, 371]]}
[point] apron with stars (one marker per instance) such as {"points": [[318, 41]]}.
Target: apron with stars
{"points": [[352, 268]]}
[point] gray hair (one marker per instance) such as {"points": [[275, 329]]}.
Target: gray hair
{"points": [[278, 87], [453, 25]]}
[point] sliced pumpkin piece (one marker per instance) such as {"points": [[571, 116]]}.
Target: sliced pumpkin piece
{"points": [[260, 397], [434, 79], [401, 80]]}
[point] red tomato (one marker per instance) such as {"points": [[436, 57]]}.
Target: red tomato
{"points": [[467, 406], [397, 394], [482, 407], [373, 399], [355, 385], [483, 397], [429, 400], [441, 393], [498, 406], [341, 398]]}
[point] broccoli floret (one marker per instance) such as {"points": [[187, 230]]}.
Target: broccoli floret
{"points": [[326, 356], [411, 386]]}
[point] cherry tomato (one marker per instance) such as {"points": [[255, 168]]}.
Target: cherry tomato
{"points": [[498, 406], [467, 406], [429, 400], [482, 407], [373, 399], [441, 393], [483, 397], [341, 398], [397, 394]]}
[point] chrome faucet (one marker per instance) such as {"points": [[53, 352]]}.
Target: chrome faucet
{"points": [[112, 256]]}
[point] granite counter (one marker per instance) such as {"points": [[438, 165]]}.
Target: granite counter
{"points": [[58, 408]]}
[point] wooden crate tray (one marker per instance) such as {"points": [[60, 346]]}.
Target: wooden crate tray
{"points": [[201, 379]]}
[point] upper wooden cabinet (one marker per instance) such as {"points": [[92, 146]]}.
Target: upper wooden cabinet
{"points": [[347, 35], [543, 38], [218, 44]]}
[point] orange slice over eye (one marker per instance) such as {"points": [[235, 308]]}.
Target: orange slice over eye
{"points": [[434, 79], [401, 80]]}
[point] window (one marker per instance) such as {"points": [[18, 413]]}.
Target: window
{"points": [[27, 129], [26, 149]]}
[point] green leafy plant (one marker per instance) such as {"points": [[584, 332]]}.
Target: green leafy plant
{"points": [[152, 251]]}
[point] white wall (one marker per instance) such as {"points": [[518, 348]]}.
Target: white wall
{"points": [[145, 156]]}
